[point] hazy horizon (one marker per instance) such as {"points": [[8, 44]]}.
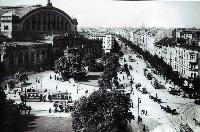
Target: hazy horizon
{"points": [[108, 13]]}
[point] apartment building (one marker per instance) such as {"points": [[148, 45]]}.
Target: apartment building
{"points": [[144, 39], [181, 59], [108, 42], [191, 36]]}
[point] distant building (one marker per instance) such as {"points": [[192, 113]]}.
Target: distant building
{"points": [[145, 39], [191, 36], [97, 36], [108, 42]]}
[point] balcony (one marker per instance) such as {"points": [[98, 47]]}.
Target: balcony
{"points": [[193, 60], [193, 69]]}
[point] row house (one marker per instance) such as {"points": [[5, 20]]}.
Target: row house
{"points": [[181, 59], [144, 39]]}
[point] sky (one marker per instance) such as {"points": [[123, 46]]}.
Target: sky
{"points": [[109, 13]]}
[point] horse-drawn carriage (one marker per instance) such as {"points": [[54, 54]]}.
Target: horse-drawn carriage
{"points": [[169, 110]]}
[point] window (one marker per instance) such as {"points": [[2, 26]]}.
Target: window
{"points": [[20, 58], [38, 54], [6, 27], [192, 57], [32, 57], [58, 23], [33, 23], [194, 75], [49, 18], [38, 24], [11, 59], [26, 58], [44, 23]]}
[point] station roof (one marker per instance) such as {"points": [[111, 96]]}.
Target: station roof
{"points": [[19, 11]]}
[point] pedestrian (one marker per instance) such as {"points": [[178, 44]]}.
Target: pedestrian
{"points": [[56, 87], [86, 92], [36, 79], [55, 76], [29, 110], [146, 112], [70, 98], [144, 128], [49, 98], [50, 77], [49, 110]]}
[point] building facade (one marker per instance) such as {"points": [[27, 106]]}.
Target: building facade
{"points": [[181, 59], [191, 36], [108, 42], [39, 35], [26, 23]]}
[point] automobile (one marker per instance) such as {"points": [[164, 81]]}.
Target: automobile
{"points": [[130, 67], [144, 91], [185, 128], [154, 71], [132, 60], [149, 76], [139, 56], [174, 92], [138, 85]]}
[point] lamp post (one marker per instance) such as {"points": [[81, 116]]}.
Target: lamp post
{"points": [[139, 101], [25, 101]]}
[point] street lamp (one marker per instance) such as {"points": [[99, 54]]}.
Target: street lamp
{"points": [[139, 101]]}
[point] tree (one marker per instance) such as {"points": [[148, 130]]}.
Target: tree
{"points": [[196, 84], [11, 84], [101, 111], [71, 66], [92, 64], [110, 70]]}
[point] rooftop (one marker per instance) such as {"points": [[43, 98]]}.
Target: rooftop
{"points": [[172, 43], [19, 11]]}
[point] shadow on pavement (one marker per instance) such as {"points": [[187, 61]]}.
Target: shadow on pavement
{"points": [[90, 77], [18, 124]]}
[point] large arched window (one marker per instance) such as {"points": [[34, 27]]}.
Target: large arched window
{"points": [[27, 26], [48, 54], [33, 23], [43, 54], [26, 58], [38, 54], [11, 59], [32, 57], [66, 24], [20, 57], [62, 24], [58, 22], [44, 22], [39, 22]]}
